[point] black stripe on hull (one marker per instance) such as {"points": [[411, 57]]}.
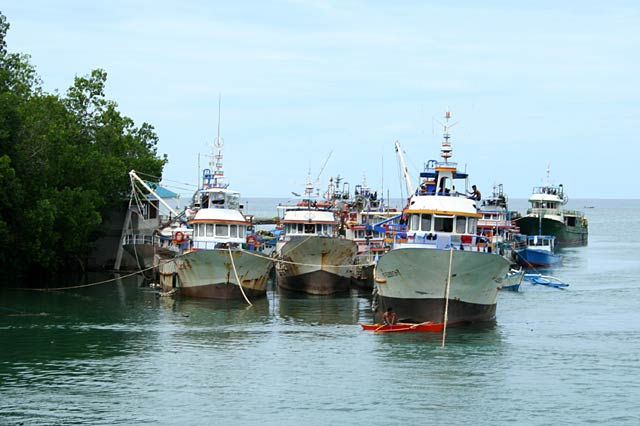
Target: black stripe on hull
{"points": [[423, 310], [321, 283], [222, 291]]}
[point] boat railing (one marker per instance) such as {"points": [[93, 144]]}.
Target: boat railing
{"points": [[551, 190], [139, 239], [544, 212], [573, 213], [463, 242]]}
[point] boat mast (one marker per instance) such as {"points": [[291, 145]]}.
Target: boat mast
{"points": [[548, 175], [445, 150], [215, 161]]}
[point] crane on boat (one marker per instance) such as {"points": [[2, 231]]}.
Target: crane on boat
{"points": [[405, 171], [133, 175]]}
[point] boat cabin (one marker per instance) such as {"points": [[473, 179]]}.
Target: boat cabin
{"points": [[542, 242], [217, 198], [305, 223], [438, 216]]}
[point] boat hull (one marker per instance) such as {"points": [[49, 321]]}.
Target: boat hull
{"points": [[566, 235], [536, 258], [512, 280], [146, 256], [413, 281], [210, 274], [316, 265], [362, 272]]}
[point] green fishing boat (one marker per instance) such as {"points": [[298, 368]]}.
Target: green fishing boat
{"points": [[546, 216]]}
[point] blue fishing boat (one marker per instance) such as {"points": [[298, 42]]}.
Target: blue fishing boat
{"points": [[536, 251]]}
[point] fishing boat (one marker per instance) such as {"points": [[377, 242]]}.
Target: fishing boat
{"points": [[363, 216], [512, 279], [223, 258], [313, 255], [497, 222], [149, 226], [369, 233], [546, 216], [536, 251], [439, 269]]}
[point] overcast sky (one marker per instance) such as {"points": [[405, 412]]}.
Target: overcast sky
{"points": [[305, 83]]}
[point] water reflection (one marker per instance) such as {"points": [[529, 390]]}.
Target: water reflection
{"points": [[347, 308]]}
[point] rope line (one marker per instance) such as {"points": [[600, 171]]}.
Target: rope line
{"points": [[319, 265], [85, 285], [178, 256], [235, 272]]}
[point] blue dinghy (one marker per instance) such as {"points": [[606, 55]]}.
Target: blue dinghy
{"points": [[547, 280]]}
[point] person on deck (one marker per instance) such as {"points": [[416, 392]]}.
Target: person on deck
{"points": [[475, 194], [389, 317]]}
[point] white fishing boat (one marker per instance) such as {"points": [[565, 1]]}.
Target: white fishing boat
{"points": [[439, 268], [223, 258], [314, 257]]}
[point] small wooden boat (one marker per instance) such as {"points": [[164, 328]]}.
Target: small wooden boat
{"points": [[512, 279], [403, 326]]}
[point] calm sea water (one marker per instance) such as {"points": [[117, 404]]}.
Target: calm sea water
{"points": [[117, 354]]}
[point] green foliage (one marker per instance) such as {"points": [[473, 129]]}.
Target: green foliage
{"points": [[64, 164]]}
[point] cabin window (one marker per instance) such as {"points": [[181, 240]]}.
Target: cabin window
{"points": [[300, 228], [461, 224], [233, 201], [443, 224], [217, 199], [472, 225], [209, 229], [222, 230], [425, 223], [414, 222], [243, 231], [309, 228], [233, 231]]}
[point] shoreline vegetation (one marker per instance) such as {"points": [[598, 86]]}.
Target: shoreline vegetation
{"points": [[64, 162]]}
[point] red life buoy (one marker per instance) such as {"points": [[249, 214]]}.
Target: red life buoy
{"points": [[178, 237], [252, 239]]}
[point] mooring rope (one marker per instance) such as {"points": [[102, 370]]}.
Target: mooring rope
{"points": [[446, 299], [84, 285], [235, 272]]}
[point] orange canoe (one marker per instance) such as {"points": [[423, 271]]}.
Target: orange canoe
{"points": [[403, 326]]}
